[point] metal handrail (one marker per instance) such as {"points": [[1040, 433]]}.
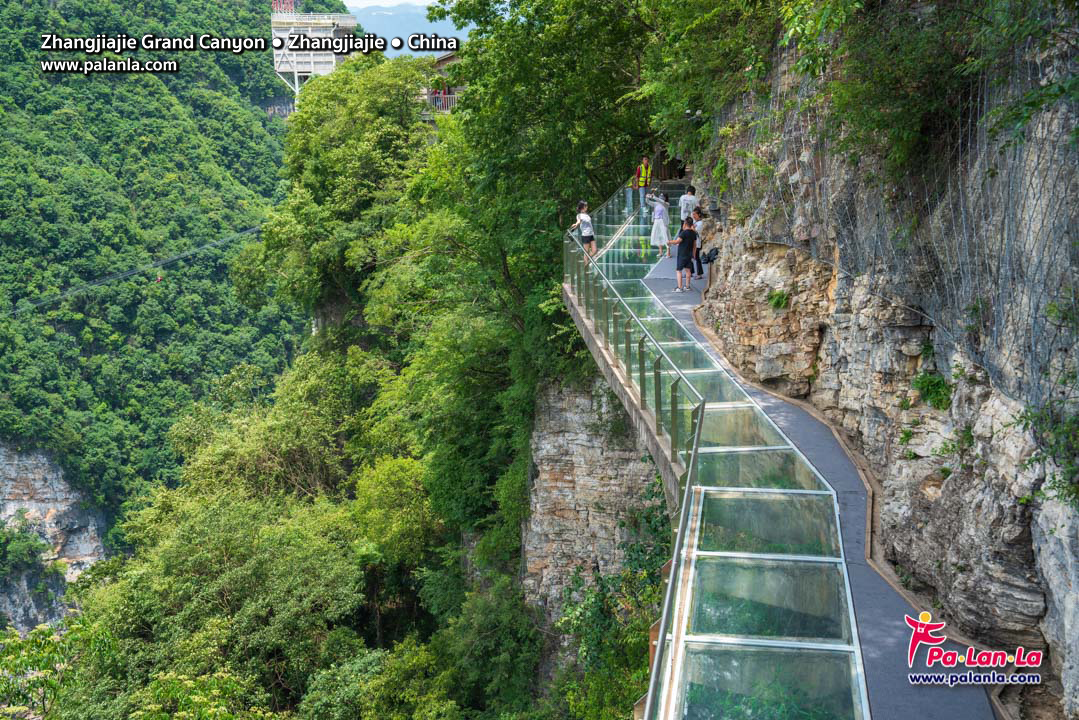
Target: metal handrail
{"points": [[341, 19], [632, 315], [672, 576]]}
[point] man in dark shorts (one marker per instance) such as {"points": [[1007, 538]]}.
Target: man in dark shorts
{"points": [[687, 244]]}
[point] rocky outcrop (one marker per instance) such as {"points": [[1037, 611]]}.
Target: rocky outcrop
{"points": [[956, 508], [31, 597], [587, 472], [960, 515], [1056, 549], [960, 512], [33, 486]]}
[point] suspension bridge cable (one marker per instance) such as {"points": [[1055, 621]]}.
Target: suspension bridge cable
{"points": [[128, 273]]}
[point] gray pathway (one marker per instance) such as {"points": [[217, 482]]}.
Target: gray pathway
{"points": [[878, 608]]}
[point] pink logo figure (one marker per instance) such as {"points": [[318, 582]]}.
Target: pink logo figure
{"points": [[922, 633]]}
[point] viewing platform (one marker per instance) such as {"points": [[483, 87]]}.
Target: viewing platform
{"points": [[771, 608], [297, 67]]}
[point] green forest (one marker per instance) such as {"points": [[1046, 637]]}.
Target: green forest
{"points": [[327, 524], [103, 175]]}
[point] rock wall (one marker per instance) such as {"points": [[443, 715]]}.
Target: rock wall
{"points": [[587, 472], [33, 485], [960, 515]]}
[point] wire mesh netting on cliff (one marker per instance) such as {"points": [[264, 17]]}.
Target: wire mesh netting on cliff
{"points": [[983, 245]]}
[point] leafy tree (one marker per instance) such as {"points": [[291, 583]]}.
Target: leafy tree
{"points": [[33, 669], [402, 684], [393, 509], [109, 173], [547, 106], [491, 650], [216, 585], [220, 696], [707, 55], [351, 140]]}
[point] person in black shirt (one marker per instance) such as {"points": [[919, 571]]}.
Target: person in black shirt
{"points": [[687, 244]]}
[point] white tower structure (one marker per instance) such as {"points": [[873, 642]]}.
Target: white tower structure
{"points": [[297, 67]]}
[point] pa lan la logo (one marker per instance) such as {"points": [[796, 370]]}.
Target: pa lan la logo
{"points": [[923, 631]]}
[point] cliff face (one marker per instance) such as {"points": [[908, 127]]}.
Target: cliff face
{"points": [[959, 512], [588, 472], [30, 483]]}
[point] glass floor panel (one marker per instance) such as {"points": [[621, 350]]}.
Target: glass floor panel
{"points": [[647, 307], [631, 289], [689, 357], [629, 255], [626, 272], [716, 387], [629, 247], [667, 330], [779, 469], [743, 683], [681, 355], [738, 427], [768, 523], [774, 599]]}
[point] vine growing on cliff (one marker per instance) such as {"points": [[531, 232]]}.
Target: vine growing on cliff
{"points": [[1056, 428], [20, 548]]}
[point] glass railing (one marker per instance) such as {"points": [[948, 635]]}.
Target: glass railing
{"points": [[757, 617], [643, 339]]}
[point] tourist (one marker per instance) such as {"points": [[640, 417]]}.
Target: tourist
{"points": [[687, 202], [698, 221], [686, 242], [584, 221], [642, 180], [661, 232]]}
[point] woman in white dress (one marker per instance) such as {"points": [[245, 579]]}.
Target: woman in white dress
{"points": [[661, 231]]}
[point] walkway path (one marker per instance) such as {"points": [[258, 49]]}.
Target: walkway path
{"points": [[879, 609], [771, 608]]}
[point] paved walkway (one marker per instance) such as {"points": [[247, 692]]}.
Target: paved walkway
{"points": [[878, 608]]}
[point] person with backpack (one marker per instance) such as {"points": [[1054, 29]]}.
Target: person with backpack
{"points": [[584, 221]]}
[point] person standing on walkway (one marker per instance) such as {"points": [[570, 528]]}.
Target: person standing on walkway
{"points": [[642, 180], [686, 242], [661, 232], [698, 221], [584, 221], [687, 202]]}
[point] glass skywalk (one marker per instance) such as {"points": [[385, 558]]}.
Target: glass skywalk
{"points": [[757, 620]]}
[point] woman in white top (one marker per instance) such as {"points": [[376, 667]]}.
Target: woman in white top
{"points": [[661, 231], [588, 235]]}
